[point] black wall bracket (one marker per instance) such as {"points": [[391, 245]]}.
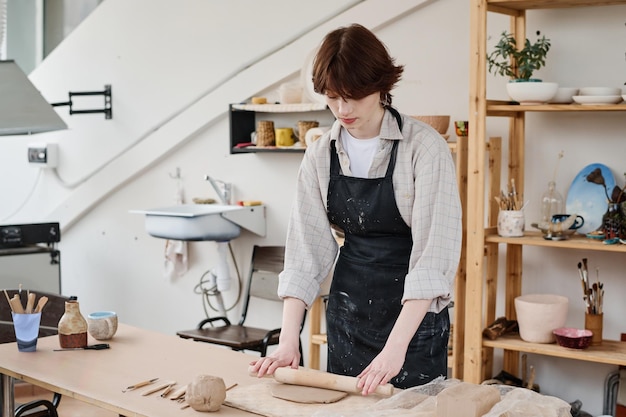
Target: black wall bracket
{"points": [[108, 105]]}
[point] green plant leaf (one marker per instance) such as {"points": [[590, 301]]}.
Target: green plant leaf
{"points": [[507, 60]]}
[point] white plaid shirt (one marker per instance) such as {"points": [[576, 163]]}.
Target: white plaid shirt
{"points": [[427, 197]]}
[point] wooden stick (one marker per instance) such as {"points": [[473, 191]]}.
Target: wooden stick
{"points": [[157, 388], [139, 384], [30, 303], [6, 294], [16, 305], [169, 389], [180, 393], [41, 304]]}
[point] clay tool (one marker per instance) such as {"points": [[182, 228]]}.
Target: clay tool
{"points": [[158, 388], [30, 303], [140, 384], [99, 346], [168, 389], [41, 304], [16, 305], [179, 393], [6, 294]]}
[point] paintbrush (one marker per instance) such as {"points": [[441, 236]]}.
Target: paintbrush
{"points": [[584, 286]]}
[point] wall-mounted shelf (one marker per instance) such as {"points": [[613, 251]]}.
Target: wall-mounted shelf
{"points": [[244, 118]]}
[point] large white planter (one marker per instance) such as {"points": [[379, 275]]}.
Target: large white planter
{"points": [[531, 92]]}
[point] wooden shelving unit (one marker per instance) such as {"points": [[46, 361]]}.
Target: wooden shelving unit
{"points": [[482, 250]]}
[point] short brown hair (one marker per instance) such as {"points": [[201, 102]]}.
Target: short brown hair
{"points": [[353, 63]]}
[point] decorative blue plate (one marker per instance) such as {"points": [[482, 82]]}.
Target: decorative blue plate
{"points": [[589, 199]]}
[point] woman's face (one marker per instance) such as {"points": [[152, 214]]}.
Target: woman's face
{"points": [[361, 117]]}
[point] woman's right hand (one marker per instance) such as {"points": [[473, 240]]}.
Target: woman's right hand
{"points": [[285, 355], [288, 351]]}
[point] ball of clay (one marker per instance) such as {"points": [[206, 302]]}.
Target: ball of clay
{"points": [[206, 393]]}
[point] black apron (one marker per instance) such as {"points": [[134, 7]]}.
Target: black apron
{"points": [[368, 282]]}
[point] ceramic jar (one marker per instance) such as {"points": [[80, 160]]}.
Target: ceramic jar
{"points": [[72, 326], [511, 223]]}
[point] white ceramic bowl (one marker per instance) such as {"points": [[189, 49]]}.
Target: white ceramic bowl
{"points": [[564, 95], [539, 314], [598, 99], [531, 92], [600, 91]]}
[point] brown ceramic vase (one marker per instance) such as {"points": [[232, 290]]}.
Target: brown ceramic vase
{"points": [[72, 326]]}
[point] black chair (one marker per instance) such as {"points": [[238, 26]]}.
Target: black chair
{"points": [[267, 263], [50, 316]]}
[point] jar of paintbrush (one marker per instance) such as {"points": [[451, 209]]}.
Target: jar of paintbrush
{"points": [[593, 296]]}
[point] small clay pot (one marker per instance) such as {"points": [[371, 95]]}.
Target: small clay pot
{"points": [[102, 324]]}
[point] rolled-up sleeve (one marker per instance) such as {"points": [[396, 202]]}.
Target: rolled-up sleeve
{"points": [[436, 226], [311, 248]]}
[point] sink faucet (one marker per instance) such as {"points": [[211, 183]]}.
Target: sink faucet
{"points": [[223, 189]]}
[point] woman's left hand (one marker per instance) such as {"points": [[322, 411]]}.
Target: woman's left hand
{"points": [[389, 361], [385, 366]]}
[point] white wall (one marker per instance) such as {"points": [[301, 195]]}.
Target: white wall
{"points": [[159, 60]]}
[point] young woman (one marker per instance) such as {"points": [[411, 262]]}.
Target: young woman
{"points": [[388, 182]]}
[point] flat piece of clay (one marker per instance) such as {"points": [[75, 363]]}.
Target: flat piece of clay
{"points": [[307, 395]]}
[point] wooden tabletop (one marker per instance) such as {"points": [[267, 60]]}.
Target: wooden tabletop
{"points": [[98, 377]]}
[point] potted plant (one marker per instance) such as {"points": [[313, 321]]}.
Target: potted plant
{"points": [[519, 64]]}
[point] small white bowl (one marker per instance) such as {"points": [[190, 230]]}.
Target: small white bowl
{"points": [[564, 95], [531, 92], [595, 100], [600, 91]]}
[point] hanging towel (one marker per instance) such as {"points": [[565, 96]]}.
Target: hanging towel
{"points": [[175, 264]]}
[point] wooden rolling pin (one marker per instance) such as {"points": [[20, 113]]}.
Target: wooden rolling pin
{"points": [[320, 379]]}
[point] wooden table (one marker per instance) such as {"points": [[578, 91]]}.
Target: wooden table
{"points": [[98, 377]]}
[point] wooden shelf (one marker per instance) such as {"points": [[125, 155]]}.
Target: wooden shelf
{"points": [[510, 109], [281, 108], [243, 119], [319, 339], [500, 6], [536, 239], [268, 149], [609, 352]]}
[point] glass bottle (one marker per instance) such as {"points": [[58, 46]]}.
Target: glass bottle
{"points": [[612, 221], [551, 203], [72, 326]]}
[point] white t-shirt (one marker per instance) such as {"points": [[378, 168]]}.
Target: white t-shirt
{"points": [[360, 152]]}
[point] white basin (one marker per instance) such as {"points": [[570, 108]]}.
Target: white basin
{"points": [[195, 222]]}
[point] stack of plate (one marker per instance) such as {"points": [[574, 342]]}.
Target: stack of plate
{"points": [[599, 95]]}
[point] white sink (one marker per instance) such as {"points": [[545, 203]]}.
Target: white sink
{"points": [[195, 222]]}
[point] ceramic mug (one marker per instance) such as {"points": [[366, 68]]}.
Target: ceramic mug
{"points": [[578, 223], [511, 223], [102, 325], [284, 136]]}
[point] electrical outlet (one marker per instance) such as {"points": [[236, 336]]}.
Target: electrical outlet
{"points": [[43, 154]]}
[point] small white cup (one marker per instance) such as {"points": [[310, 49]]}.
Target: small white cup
{"points": [[511, 223], [102, 325]]}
